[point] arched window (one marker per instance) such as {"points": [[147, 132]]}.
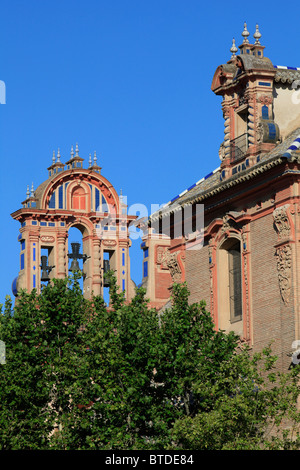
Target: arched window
{"points": [[78, 199], [230, 298], [235, 281]]}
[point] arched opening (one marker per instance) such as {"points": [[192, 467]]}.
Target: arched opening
{"points": [[78, 255], [47, 264], [106, 267], [230, 298]]}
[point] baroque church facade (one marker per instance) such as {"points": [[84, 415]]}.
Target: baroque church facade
{"points": [[234, 236], [243, 258]]}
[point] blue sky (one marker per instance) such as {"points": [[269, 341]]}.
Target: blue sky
{"points": [[128, 79]]}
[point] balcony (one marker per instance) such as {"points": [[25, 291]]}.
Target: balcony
{"points": [[238, 147]]}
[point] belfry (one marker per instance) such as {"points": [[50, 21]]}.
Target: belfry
{"points": [[73, 196]]}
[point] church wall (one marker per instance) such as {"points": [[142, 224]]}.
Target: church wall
{"points": [[272, 320], [286, 109]]}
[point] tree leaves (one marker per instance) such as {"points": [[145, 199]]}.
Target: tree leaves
{"points": [[79, 375]]}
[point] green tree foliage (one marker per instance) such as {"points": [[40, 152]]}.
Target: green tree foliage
{"points": [[79, 375]]}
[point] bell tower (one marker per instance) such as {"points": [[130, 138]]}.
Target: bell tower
{"points": [[246, 84], [73, 196]]}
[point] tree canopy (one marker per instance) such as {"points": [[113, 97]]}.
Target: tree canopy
{"points": [[81, 375]]}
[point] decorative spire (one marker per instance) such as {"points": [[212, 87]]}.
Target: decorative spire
{"points": [[90, 161], [245, 34], [233, 49], [121, 196], [27, 192], [58, 156], [257, 35], [53, 157], [95, 158], [32, 190], [76, 151], [72, 152]]}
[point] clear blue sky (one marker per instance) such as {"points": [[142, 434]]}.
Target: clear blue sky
{"points": [[128, 78]]}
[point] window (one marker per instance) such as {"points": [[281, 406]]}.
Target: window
{"points": [[145, 265], [265, 112], [78, 199], [52, 202], [97, 200], [60, 197], [230, 292], [235, 282]]}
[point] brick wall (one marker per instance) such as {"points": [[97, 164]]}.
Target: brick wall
{"points": [[197, 275], [272, 320]]}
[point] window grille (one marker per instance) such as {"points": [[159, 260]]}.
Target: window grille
{"points": [[238, 147]]}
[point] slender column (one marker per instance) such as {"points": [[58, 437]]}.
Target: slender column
{"points": [[227, 133], [213, 283], [97, 272], [245, 249], [251, 131], [33, 256], [61, 271]]}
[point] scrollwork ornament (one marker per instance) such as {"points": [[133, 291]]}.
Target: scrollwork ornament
{"points": [[265, 100], [284, 268], [282, 222], [171, 261], [222, 153]]}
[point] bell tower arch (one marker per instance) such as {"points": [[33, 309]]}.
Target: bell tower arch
{"points": [[73, 196]]}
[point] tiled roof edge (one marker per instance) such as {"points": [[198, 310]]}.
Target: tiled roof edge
{"points": [[284, 67], [257, 169], [191, 187], [294, 146]]}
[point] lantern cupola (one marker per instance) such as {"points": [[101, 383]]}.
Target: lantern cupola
{"points": [[245, 83]]}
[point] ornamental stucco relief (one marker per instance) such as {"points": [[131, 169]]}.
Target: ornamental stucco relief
{"points": [[284, 268]]}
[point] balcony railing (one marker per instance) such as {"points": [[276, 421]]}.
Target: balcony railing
{"points": [[238, 147]]}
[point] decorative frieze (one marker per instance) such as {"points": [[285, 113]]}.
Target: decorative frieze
{"points": [[109, 242], [47, 239]]}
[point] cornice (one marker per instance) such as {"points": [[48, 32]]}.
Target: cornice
{"points": [[242, 177]]}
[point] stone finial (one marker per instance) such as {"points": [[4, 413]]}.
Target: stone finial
{"points": [[53, 157], [32, 190], [72, 152], [95, 158], [257, 35], [245, 34], [233, 49], [58, 156], [90, 161], [27, 192], [76, 151]]}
